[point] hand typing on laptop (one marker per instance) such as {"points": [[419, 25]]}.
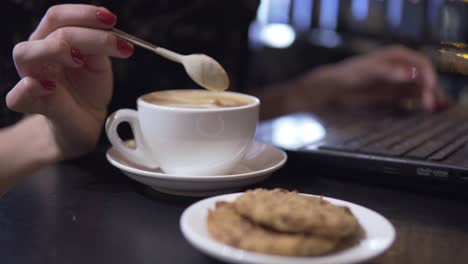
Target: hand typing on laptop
{"points": [[388, 77]]}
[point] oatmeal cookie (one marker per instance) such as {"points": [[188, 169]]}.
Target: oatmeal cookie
{"points": [[287, 211], [227, 226]]}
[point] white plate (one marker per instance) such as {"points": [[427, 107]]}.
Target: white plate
{"points": [[259, 162], [380, 234]]}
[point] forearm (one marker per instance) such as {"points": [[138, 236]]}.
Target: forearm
{"points": [[24, 148], [274, 99], [311, 92]]}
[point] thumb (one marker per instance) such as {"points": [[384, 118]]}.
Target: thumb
{"points": [[29, 94]]}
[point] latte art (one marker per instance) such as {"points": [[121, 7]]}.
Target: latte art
{"points": [[197, 99]]}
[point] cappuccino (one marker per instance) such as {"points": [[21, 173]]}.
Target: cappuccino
{"points": [[197, 99], [188, 132]]}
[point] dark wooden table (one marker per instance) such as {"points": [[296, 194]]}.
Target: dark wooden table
{"points": [[86, 211]]}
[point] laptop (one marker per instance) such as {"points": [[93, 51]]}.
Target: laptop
{"points": [[419, 145]]}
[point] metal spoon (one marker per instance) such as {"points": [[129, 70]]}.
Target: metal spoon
{"points": [[203, 69]]}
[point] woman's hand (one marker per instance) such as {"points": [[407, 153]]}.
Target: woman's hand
{"points": [[388, 77], [66, 74]]}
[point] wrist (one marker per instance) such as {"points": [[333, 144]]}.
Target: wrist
{"points": [[38, 145], [314, 90], [26, 147]]}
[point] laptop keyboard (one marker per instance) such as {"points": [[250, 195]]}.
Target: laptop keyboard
{"points": [[421, 136]]}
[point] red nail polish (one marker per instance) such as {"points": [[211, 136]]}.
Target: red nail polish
{"points": [[48, 84], [106, 17], [124, 46], [77, 56], [443, 103]]}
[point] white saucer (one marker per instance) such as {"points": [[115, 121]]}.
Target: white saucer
{"points": [[379, 235], [259, 162]]}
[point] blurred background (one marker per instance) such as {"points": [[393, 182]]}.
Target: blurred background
{"points": [[286, 38], [290, 36]]}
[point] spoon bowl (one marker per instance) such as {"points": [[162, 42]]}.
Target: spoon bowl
{"points": [[206, 72]]}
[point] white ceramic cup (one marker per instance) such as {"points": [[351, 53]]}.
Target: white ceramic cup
{"points": [[186, 141]]}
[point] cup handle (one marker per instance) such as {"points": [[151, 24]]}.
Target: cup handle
{"points": [[138, 155]]}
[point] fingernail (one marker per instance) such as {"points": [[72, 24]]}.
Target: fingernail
{"points": [[77, 56], [106, 17], [443, 103], [48, 84], [412, 73], [124, 46], [407, 74]]}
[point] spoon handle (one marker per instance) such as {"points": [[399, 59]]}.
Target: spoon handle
{"points": [[137, 41], [144, 44]]}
